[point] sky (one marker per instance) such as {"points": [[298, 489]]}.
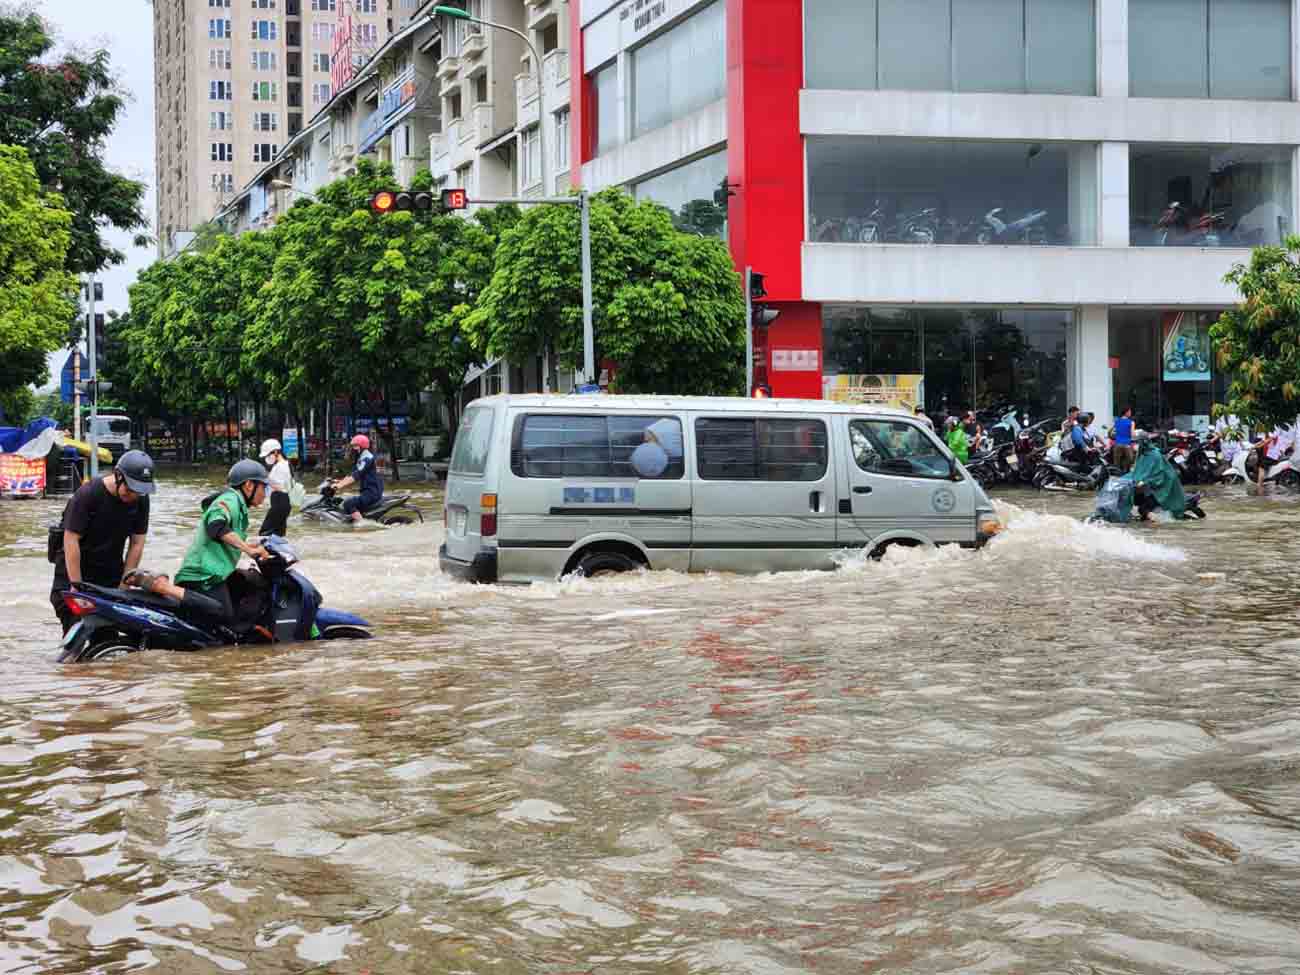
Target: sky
{"points": [[125, 28]]}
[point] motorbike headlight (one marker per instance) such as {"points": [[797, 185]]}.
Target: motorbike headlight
{"points": [[988, 523]]}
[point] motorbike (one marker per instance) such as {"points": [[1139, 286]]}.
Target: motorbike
{"points": [[1245, 468], [276, 604], [393, 509], [1178, 228], [911, 227], [1119, 495], [1029, 229], [1057, 476]]}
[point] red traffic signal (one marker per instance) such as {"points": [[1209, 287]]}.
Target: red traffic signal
{"points": [[456, 199], [383, 201]]}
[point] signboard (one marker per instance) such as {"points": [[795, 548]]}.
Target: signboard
{"points": [[65, 378], [904, 391], [796, 360], [21, 477], [289, 441], [364, 424], [399, 94], [341, 54], [1185, 346]]}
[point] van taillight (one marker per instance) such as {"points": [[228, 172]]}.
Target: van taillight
{"points": [[487, 525]]}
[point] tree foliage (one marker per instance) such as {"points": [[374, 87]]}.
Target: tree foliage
{"points": [[1258, 341], [667, 305], [61, 111], [37, 299]]}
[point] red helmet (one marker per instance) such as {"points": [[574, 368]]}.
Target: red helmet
{"points": [[361, 442]]}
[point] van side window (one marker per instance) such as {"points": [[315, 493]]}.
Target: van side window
{"points": [[473, 441], [558, 445], [895, 447], [754, 449]]}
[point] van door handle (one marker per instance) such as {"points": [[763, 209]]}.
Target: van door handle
{"points": [[815, 501], [862, 489]]}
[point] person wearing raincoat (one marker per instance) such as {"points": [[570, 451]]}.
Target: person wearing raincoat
{"points": [[957, 440], [1158, 484]]}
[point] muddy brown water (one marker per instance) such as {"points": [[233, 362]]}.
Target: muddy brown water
{"points": [[1076, 751]]}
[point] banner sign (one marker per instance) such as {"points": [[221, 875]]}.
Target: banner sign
{"points": [[1185, 346], [21, 477], [903, 391]]}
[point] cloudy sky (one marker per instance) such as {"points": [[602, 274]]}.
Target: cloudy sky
{"points": [[125, 28]]}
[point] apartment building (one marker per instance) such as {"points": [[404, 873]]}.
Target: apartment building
{"points": [[962, 202], [234, 81]]}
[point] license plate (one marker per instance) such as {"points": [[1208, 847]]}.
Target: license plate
{"points": [[72, 633], [459, 518]]}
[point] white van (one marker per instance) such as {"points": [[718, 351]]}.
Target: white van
{"points": [[541, 486], [113, 432]]}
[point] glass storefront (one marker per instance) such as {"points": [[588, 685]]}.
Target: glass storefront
{"points": [[1210, 49], [1209, 196], [953, 358], [1044, 46], [680, 70], [687, 192], [920, 191], [604, 89], [1162, 364]]}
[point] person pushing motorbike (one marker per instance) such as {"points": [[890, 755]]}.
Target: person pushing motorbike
{"points": [[220, 540], [364, 474], [104, 515]]}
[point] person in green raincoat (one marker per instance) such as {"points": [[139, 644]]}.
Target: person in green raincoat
{"points": [[1158, 483], [957, 440]]}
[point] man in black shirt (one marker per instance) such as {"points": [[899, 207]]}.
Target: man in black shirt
{"points": [[98, 521]]}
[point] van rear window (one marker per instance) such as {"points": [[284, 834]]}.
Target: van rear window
{"points": [[473, 441], [557, 445], [753, 449]]}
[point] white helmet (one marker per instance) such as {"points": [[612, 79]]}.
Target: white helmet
{"points": [[270, 447]]}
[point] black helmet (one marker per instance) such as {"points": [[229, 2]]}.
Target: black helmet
{"points": [[246, 470], [135, 467]]}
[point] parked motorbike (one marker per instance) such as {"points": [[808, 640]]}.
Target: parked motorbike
{"points": [[1245, 469], [276, 604], [911, 227], [393, 509], [1177, 227], [1029, 229]]}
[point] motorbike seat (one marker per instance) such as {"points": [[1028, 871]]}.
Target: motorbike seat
{"points": [[136, 597]]}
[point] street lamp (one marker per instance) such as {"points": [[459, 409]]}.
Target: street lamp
{"points": [[279, 184], [457, 14]]}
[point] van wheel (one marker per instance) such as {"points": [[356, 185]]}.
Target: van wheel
{"points": [[605, 564], [878, 552]]}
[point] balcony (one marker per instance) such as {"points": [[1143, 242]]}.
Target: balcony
{"points": [[449, 86], [448, 67], [453, 136], [472, 48], [482, 124], [539, 12], [555, 69], [526, 105]]}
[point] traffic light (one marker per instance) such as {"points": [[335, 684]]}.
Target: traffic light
{"points": [[757, 289], [760, 315], [383, 201], [423, 202], [723, 193], [762, 391], [455, 199]]}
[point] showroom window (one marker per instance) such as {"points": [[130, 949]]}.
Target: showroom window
{"points": [[1209, 196], [1043, 46], [680, 71], [687, 192], [916, 191], [1210, 49], [949, 359], [604, 89], [1162, 365]]}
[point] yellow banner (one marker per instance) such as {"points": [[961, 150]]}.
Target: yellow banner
{"points": [[904, 391]]}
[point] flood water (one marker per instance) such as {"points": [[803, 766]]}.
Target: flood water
{"points": [[1077, 751]]}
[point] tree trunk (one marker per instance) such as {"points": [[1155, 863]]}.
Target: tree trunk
{"points": [[257, 419], [302, 443], [239, 427], [392, 435], [226, 405]]}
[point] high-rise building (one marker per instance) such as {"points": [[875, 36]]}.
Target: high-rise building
{"points": [[234, 80]]}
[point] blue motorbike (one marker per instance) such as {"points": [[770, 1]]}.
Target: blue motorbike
{"points": [[276, 604]]}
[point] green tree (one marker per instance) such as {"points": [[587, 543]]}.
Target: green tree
{"points": [[1258, 341], [38, 297], [668, 305], [61, 111]]}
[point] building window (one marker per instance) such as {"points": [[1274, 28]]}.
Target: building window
{"points": [[320, 93], [530, 170], [752, 449], [264, 152], [219, 58], [218, 29], [220, 121], [604, 88], [1045, 46], [223, 152], [368, 6], [368, 33], [221, 91], [1163, 365], [266, 121], [688, 194], [1210, 49], [266, 91], [264, 30], [1209, 196], [264, 5], [218, 3], [223, 182], [264, 60], [453, 105], [323, 5], [680, 71], [320, 62], [915, 191], [949, 358], [463, 176], [322, 32], [562, 140]]}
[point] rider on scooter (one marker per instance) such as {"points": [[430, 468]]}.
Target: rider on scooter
{"points": [[366, 475]]}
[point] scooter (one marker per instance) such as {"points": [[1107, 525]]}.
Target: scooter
{"points": [[393, 509], [1119, 495], [277, 604], [1028, 229], [1177, 228], [1282, 472]]}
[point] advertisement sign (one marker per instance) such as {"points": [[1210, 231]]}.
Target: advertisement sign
{"points": [[21, 477], [1185, 346], [903, 391], [289, 441], [341, 68]]}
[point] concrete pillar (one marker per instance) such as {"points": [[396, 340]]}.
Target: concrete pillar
{"points": [[1090, 385], [1114, 195], [1112, 48]]}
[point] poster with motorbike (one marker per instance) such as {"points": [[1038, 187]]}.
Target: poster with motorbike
{"points": [[903, 391], [1185, 346]]}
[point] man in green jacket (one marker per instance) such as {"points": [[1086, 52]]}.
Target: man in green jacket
{"points": [[957, 440], [218, 543]]}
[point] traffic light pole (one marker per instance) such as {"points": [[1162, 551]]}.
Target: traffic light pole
{"points": [[94, 376], [749, 333]]}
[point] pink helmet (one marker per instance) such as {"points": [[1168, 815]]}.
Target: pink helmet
{"points": [[361, 442]]}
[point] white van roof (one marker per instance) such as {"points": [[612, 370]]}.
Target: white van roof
{"points": [[597, 403]]}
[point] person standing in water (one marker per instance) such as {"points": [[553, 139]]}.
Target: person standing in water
{"points": [[280, 480]]}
